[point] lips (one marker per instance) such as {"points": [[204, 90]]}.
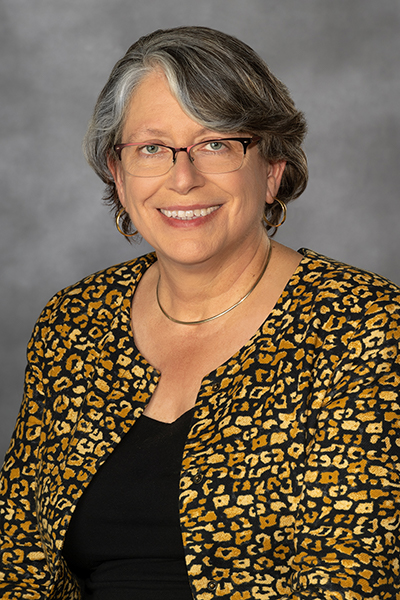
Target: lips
{"points": [[188, 215]]}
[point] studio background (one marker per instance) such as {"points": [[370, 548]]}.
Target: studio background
{"points": [[340, 60]]}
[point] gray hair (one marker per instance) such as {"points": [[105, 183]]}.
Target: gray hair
{"points": [[222, 84]]}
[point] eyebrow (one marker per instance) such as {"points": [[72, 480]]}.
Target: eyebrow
{"points": [[159, 132]]}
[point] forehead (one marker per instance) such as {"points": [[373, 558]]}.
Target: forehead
{"points": [[153, 111]]}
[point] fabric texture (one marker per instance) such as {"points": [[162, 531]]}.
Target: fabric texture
{"points": [[290, 482]]}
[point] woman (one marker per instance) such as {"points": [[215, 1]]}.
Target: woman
{"points": [[218, 418]]}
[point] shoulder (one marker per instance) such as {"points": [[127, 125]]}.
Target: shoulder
{"points": [[337, 279], [97, 296], [344, 302]]}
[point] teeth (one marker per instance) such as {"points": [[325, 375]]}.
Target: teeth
{"points": [[187, 215]]}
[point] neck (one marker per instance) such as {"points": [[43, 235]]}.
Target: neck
{"points": [[193, 293]]}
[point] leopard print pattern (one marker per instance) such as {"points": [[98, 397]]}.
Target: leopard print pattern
{"points": [[290, 480]]}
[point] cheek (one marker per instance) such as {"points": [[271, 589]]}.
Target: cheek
{"points": [[254, 188], [120, 186], [137, 192], [255, 177]]}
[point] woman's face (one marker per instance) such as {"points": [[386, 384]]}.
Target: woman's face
{"points": [[231, 204]]}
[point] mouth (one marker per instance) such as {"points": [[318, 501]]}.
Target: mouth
{"points": [[189, 215]]}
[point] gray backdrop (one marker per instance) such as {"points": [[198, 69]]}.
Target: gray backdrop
{"points": [[340, 59]]}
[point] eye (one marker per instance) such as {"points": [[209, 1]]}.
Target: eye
{"points": [[216, 145], [150, 149]]}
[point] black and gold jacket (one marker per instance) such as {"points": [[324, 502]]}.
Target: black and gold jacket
{"points": [[290, 479]]}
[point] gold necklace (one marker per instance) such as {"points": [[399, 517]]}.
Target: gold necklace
{"points": [[224, 312]]}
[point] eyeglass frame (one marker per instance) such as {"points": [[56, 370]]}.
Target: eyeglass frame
{"points": [[245, 141]]}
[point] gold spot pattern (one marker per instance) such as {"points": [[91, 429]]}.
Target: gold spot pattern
{"points": [[290, 479]]}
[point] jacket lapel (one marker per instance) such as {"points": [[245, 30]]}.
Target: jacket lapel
{"points": [[87, 421]]}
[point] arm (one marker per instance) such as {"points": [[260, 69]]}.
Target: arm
{"points": [[347, 542], [24, 571]]}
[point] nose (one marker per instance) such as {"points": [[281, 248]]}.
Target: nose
{"points": [[185, 150], [184, 176]]}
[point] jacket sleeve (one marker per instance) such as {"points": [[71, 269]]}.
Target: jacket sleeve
{"points": [[347, 540], [24, 571]]}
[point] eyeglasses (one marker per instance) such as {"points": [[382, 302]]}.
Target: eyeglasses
{"points": [[211, 156]]}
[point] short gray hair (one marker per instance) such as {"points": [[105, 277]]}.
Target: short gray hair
{"points": [[219, 82]]}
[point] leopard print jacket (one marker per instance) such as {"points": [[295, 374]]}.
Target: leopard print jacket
{"points": [[290, 480]]}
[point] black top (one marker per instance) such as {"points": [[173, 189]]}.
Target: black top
{"points": [[124, 540]]}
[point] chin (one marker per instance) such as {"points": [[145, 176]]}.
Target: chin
{"points": [[188, 253]]}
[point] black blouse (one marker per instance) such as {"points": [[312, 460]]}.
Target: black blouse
{"points": [[124, 540]]}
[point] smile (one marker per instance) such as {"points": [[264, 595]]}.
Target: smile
{"points": [[188, 215]]}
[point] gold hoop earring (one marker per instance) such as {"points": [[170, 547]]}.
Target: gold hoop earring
{"points": [[117, 218], [283, 207]]}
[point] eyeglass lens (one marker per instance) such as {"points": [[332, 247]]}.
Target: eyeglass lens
{"points": [[215, 156]]}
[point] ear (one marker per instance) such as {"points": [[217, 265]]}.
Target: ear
{"points": [[117, 172], [275, 174]]}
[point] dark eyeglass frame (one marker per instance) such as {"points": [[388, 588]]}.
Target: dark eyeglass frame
{"points": [[245, 141]]}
